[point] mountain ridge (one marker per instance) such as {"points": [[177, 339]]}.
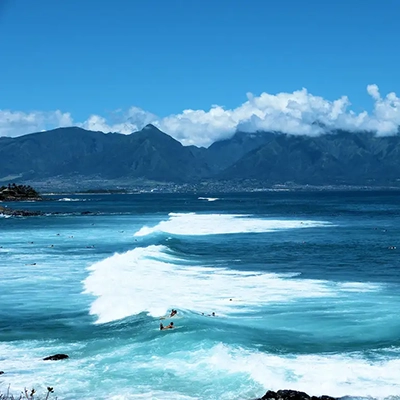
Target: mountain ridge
{"points": [[75, 154]]}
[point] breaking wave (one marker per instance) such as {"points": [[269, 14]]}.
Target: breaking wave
{"points": [[214, 224]]}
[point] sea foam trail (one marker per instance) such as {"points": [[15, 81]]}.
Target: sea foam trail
{"points": [[339, 375], [69, 199], [152, 280], [343, 374], [231, 369], [213, 224], [208, 198]]}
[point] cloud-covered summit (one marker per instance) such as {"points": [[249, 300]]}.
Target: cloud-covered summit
{"points": [[299, 113]]}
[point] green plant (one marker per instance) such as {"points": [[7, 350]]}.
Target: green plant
{"points": [[26, 394]]}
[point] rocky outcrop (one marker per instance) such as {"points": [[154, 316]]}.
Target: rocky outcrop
{"points": [[14, 192], [19, 213], [56, 357], [292, 395]]}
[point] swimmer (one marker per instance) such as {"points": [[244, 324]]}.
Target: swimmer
{"points": [[170, 326]]}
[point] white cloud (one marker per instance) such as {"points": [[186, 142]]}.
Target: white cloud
{"points": [[16, 123], [299, 113], [125, 122], [373, 91]]}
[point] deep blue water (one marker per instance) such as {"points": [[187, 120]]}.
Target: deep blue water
{"points": [[305, 287]]}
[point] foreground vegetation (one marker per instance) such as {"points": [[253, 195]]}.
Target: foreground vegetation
{"points": [[26, 394]]}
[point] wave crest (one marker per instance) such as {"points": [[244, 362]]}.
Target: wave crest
{"points": [[217, 224], [152, 279]]}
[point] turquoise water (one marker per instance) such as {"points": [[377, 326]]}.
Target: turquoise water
{"points": [[305, 288]]}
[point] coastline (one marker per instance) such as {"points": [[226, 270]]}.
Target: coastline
{"points": [[85, 185]]}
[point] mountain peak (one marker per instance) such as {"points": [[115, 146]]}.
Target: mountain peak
{"points": [[150, 127]]}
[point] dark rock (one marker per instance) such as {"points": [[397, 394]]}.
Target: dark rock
{"points": [[56, 357], [25, 213], [14, 192], [269, 395], [19, 213], [292, 395]]}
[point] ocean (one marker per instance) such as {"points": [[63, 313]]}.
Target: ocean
{"points": [[304, 287]]}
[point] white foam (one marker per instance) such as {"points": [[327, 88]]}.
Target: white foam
{"points": [[227, 371], [208, 198], [151, 280], [151, 395], [357, 287], [213, 224], [347, 374], [69, 199]]}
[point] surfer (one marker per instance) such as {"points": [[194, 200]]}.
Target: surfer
{"points": [[170, 326], [173, 312]]}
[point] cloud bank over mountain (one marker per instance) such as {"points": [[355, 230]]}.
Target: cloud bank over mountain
{"points": [[299, 113]]}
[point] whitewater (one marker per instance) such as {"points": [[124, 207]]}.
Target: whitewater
{"points": [[304, 287]]}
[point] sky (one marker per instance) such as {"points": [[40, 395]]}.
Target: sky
{"points": [[200, 70]]}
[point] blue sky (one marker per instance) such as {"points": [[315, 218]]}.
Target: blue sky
{"points": [[94, 57]]}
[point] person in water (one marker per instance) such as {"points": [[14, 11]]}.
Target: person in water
{"points": [[173, 312], [210, 315], [170, 326]]}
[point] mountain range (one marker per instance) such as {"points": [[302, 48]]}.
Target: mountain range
{"points": [[270, 158]]}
